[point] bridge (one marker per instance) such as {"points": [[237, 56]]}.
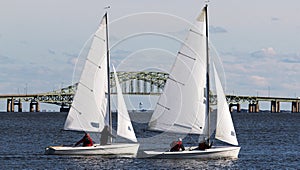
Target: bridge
{"points": [[132, 83], [136, 83], [253, 103]]}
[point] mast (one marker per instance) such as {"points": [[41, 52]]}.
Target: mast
{"points": [[207, 73], [108, 78]]}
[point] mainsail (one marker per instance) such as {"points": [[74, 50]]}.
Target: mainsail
{"points": [[124, 128], [181, 107], [89, 105]]}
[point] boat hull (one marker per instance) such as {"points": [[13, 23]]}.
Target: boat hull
{"points": [[216, 152], [117, 149]]}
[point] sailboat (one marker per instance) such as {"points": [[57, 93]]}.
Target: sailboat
{"points": [[91, 107], [189, 81]]}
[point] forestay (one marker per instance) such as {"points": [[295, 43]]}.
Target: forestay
{"points": [[88, 109], [181, 107]]}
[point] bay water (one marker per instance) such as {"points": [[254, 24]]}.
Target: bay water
{"points": [[267, 140]]}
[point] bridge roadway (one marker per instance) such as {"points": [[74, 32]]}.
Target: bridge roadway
{"points": [[137, 83]]}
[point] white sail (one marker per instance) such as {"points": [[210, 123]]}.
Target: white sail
{"points": [[124, 128], [88, 109], [181, 107], [224, 128]]}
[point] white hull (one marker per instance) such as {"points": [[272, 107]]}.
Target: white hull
{"points": [[117, 149], [216, 152]]}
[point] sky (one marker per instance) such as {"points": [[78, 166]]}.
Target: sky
{"points": [[257, 41]]}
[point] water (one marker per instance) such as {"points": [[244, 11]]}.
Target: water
{"points": [[268, 141]]}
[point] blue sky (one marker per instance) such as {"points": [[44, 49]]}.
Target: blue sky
{"points": [[258, 40]]}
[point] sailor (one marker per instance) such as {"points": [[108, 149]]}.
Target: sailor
{"points": [[204, 144], [86, 140], [177, 145]]}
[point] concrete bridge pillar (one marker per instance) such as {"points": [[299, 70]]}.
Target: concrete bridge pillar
{"points": [[145, 87], [12, 105], [34, 106], [237, 105], [295, 107], [8, 105], [31, 107], [275, 106], [131, 86], [123, 87], [151, 87], [20, 109], [19, 104], [253, 107], [64, 108], [138, 86], [256, 107]]}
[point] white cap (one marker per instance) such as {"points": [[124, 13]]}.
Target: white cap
{"points": [[179, 139]]}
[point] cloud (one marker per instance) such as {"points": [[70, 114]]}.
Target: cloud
{"points": [[241, 68], [275, 19], [73, 60], [51, 52], [24, 42], [265, 52], [291, 58], [69, 54], [181, 34], [269, 51], [5, 60], [248, 75], [217, 29], [259, 81], [292, 86]]}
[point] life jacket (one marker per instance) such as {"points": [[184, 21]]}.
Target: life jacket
{"points": [[88, 141], [178, 146], [203, 146]]}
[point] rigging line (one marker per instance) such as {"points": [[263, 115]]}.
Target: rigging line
{"points": [[95, 64], [182, 126], [80, 124], [175, 81], [76, 109], [86, 86], [198, 33], [100, 38], [163, 106], [186, 55]]}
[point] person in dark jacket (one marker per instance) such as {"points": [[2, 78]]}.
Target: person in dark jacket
{"points": [[86, 140], [204, 145], [177, 146], [104, 135]]}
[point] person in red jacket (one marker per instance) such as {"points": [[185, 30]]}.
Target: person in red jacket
{"points": [[177, 146], [86, 140]]}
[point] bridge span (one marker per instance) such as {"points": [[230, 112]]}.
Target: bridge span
{"points": [[136, 83]]}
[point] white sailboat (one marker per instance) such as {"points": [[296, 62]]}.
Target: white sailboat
{"points": [[91, 107], [193, 114]]}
